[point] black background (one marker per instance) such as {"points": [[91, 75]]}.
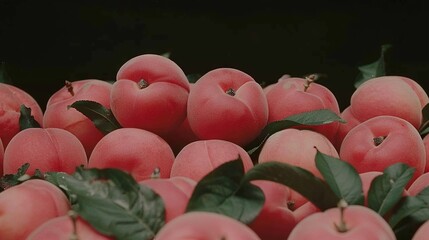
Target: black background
{"points": [[45, 43]]}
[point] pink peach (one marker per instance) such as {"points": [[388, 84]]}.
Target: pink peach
{"points": [[46, 149], [136, 151]]}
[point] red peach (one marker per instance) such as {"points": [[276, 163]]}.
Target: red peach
{"points": [[422, 232], [419, 184], [61, 228], [367, 178], [344, 128], [1, 157], [25, 207], [11, 99], [388, 95], [174, 191], [207, 226], [199, 158], [151, 93], [361, 223], [181, 136], [298, 148], [305, 210], [381, 141], [46, 149], [227, 104], [136, 151], [291, 96], [58, 115], [276, 220]]}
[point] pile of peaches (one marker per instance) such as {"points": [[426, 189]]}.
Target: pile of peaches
{"points": [[153, 155]]}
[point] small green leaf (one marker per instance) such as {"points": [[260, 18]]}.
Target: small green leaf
{"points": [[221, 191], [26, 120], [424, 195], [315, 117], [103, 118], [386, 189], [409, 206], [193, 77], [296, 178], [166, 54], [4, 76], [410, 220], [342, 177], [372, 70], [113, 202], [424, 127]]}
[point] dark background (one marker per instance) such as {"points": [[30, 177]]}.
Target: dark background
{"points": [[44, 43]]}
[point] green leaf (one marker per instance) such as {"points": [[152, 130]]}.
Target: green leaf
{"points": [[296, 178], [166, 54], [221, 191], [374, 69], [193, 77], [407, 208], [408, 226], [424, 127], [103, 118], [315, 117], [4, 76], [424, 195], [386, 189], [10, 180], [113, 202], [342, 177], [26, 120]]}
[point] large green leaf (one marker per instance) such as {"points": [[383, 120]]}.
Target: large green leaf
{"points": [[103, 118], [374, 69], [315, 117], [342, 177], [113, 202], [221, 191], [386, 189], [296, 178], [26, 120]]}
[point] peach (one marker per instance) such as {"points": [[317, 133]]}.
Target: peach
{"points": [[227, 104], [367, 178], [389, 95], [151, 93], [344, 128], [381, 141], [58, 115], [46, 149], [199, 158], [298, 148], [1, 157], [305, 210], [175, 193], [426, 143], [11, 99], [419, 184], [360, 223], [276, 220], [25, 207], [136, 151], [181, 136], [292, 95], [207, 226], [422, 232], [61, 228]]}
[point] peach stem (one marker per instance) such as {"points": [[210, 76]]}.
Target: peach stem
{"points": [[73, 215], [230, 91], [69, 87], [143, 84], [342, 227]]}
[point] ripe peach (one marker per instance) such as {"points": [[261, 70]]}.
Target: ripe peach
{"points": [[199, 158], [136, 151], [25, 207], [151, 93], [305, 210], [344, 128], [422, 232], [276, 220], [296, 147], [360, 223], [227, 104], [174, 191], [61, 228], [11, 99], [46, 149], [58, 115], [291, 96], [419, 184], [205, 225], [381, 141], [180, 137], [389, 95], [367, 178], [1, 157]]}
